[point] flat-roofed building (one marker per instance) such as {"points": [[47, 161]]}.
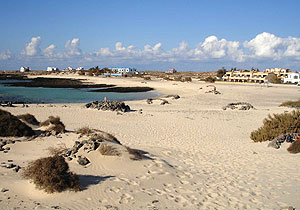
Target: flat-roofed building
{"points": [[125, 71], [254, 76], [292, 77], [24, 69]]}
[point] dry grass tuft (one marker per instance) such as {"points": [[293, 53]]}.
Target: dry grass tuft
{"points": [[136, 154], [10, 125], [106, 149], [57, 125], [292, 104], [52, 174], [59, 150], [276, 125], [29, 118], [84, 131], [105, 136], [294, 147]]}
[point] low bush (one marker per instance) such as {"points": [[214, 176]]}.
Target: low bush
{"points": [[210, 79], [84, 130], [186, 79], [59, 150], [178, 79], [147, 78], [277, 124], [10, 125], [292, 104], [52, 174], [29, 118], [57, 125], [294, 147]]}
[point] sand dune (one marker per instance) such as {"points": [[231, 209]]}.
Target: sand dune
{"points": [[198, 156]]}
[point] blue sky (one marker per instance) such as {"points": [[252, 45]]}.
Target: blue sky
{"points": [[150, 35]]}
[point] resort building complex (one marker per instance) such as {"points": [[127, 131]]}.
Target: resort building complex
{"points": [[255, 76]]}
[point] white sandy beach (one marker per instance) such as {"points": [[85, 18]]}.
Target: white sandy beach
{"points": [[199, 155]]}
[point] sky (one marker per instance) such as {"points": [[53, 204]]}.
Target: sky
{"points": [[189, 35]]}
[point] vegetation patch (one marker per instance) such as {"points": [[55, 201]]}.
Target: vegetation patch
{"points": [[52, 174], [277, 124], [210, 79], [101, 135], [29, 118], [294, 147], [84, 131], [10, 125], [54, 124], [135, 154], [292, 104], [109, 149]]}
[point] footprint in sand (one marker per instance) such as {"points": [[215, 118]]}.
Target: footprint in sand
{"points": [[125, 198]]}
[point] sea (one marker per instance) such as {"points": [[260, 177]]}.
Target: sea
{"points": [[64, 95]]}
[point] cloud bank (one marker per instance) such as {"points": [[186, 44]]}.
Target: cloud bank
{"points": [[265, 47]]}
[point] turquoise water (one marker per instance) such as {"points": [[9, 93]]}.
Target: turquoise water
{"points": [[64, 95]]}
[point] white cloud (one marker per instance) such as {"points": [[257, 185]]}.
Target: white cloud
{"points": [[263, 48], [49, 51], [72, 47], [213, 48], [5, 55], [33, 47], [266, 45]]}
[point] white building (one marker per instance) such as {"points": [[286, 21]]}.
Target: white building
{"points": [[52, 69], [80, 68], [123, 70], [69, 68], [171, 71], [24, 69], [292, 77]]}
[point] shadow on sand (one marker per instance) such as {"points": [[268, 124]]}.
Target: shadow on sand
{"points": [[88, 180]]}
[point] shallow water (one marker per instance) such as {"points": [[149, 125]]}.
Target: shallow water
{"points": [[64, 95]]}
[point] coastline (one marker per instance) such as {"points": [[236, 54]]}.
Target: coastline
{"points": [[200, 156]]}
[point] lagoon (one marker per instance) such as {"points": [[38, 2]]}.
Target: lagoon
{"points": [[64, 95]]}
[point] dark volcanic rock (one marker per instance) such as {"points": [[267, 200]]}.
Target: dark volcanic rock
{"points": [[124, 89], [239, 106], [56, 83], [83, 160], [109, 106]]}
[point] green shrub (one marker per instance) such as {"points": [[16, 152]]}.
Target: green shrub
{"points": [[10, 125], [52, 174], [29, 118], [276, 125], [292, 104]]}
